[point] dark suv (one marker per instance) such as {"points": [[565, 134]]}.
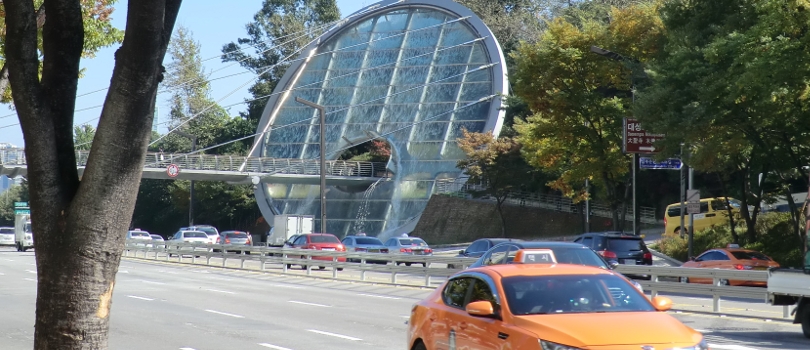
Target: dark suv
{"points": [[616, 246]]}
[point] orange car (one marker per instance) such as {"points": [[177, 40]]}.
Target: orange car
{"points": [[731, 258], [545, 307]]}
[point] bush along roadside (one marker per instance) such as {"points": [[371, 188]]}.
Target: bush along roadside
{"points": [[775, 238]]}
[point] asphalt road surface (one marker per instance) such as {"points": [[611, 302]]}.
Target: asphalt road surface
{"points": [[160, 305]]}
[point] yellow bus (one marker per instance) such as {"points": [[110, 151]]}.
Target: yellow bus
{"points": [[713, 211]]}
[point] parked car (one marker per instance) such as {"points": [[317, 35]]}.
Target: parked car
{"points": [[408, 245], [730, 258], [7, 236], [209, 230], [516, 306], [481, 246], [234, 239], [319, 241], [365, 244]]}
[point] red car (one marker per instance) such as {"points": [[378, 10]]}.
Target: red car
{"points": [[319, 241]]}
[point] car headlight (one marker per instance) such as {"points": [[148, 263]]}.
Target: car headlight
{"points": [[547, 345], [699, 346]]}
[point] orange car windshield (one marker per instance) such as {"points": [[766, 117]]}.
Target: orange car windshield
{"points": [[537, 295], [742, 255]]}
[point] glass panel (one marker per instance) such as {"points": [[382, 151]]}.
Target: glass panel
{"points": [[411, 75], [456, 33], [342, 78], [377, 77], [366, 114], [478, 111], [347, 59], [430, 131], [441, 92], [474, 91], [455, 131]]}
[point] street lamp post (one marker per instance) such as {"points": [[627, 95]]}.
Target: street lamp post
{"points": [[322, 112], [191, 185], [617, 57]]}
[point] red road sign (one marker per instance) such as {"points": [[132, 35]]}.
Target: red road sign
{"points": [[638, 140], [173, 170]]}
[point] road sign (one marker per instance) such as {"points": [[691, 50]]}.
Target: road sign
{"points": [[20, 204], [173, 170], [693, 201], [22, 211], [649, 163], [638, 140]]}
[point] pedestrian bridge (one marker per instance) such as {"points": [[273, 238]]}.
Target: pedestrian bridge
{"points": [[236, 169]]}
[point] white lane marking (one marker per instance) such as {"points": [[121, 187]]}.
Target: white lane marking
{"points": [[730, 347], [702, 330], [141, 298], [224, 314], [2, 274], [286, 286], [220, 291], [152, 282], [273, 346], [8, 260], [123, 271], [701, 299], [30, 279], [334, 335], [31, 271], [187, 349], [305, 303], [378, 296]]}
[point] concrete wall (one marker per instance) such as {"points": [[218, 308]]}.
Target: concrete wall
{"points": [[448, 219]]}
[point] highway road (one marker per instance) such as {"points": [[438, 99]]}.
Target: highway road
{"points": [[160, 305]]}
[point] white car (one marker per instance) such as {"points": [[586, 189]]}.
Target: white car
{"points": [[7, 236], [138, 235]]}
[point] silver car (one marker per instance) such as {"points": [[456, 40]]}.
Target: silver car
{"points": [[408, 245], [189, 237], [7, 236], [233, 240]]}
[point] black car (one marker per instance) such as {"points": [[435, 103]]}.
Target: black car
{"points": [[564, 252], [616, 246], [481, 246]]}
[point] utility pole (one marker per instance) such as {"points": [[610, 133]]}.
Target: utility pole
{"points": [[322, 112], [683, 194], [617, 57], [191, 185], [691, 216], [587, 206]]}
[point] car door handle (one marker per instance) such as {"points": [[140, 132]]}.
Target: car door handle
{"points": [[502, 335], [462, 325], [711, 215]]}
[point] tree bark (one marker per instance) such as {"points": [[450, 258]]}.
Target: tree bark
{"points": [[78, 227]]}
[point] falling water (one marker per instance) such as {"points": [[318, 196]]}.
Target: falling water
{"points": [[362, 214], [392, 220]]}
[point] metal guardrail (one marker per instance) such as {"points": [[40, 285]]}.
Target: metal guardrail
{"points": [[252, 164], [545, 201], [309, 258]]}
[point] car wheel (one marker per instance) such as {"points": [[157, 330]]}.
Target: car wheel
{"points": [[321, 267], [340, 269], [683, 279], [424, 264], [451, 266], [407, 264], [303, 267], [677, 231], [289, 266], [419, 346]]}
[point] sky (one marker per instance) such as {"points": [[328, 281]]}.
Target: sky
{"points": [[211, 24]]}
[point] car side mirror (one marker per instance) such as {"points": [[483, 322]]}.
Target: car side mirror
{"points": [[480, 309], [662, 303], [692, 258], [613, 264], [461, 252]]}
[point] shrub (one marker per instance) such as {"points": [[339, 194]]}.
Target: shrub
{"points": [[775, 238]]}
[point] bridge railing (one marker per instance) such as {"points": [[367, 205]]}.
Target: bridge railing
{"points": [[212, 162]]}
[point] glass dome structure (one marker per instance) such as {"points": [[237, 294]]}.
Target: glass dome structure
{"points": [[412, 73]]}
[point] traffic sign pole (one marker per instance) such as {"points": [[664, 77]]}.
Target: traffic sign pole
{"points": [[692, 216]]}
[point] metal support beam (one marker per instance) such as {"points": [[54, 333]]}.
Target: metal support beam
{"points": [[322, 112]]}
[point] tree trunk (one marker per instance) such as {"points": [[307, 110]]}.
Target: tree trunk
{"points": [[499, 205], [733, 227], [80, 227]]}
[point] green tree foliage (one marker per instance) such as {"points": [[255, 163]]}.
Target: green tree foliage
{"points": [[15, 193], [83, 136], [279, 29], [98, 33], [496, 163], [732, 86], [579, 99]]}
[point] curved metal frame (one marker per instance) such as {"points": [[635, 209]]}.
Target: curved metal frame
{"points": [[494, 53]]}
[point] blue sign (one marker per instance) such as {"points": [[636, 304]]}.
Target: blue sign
{"points": [[649, 163]]}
